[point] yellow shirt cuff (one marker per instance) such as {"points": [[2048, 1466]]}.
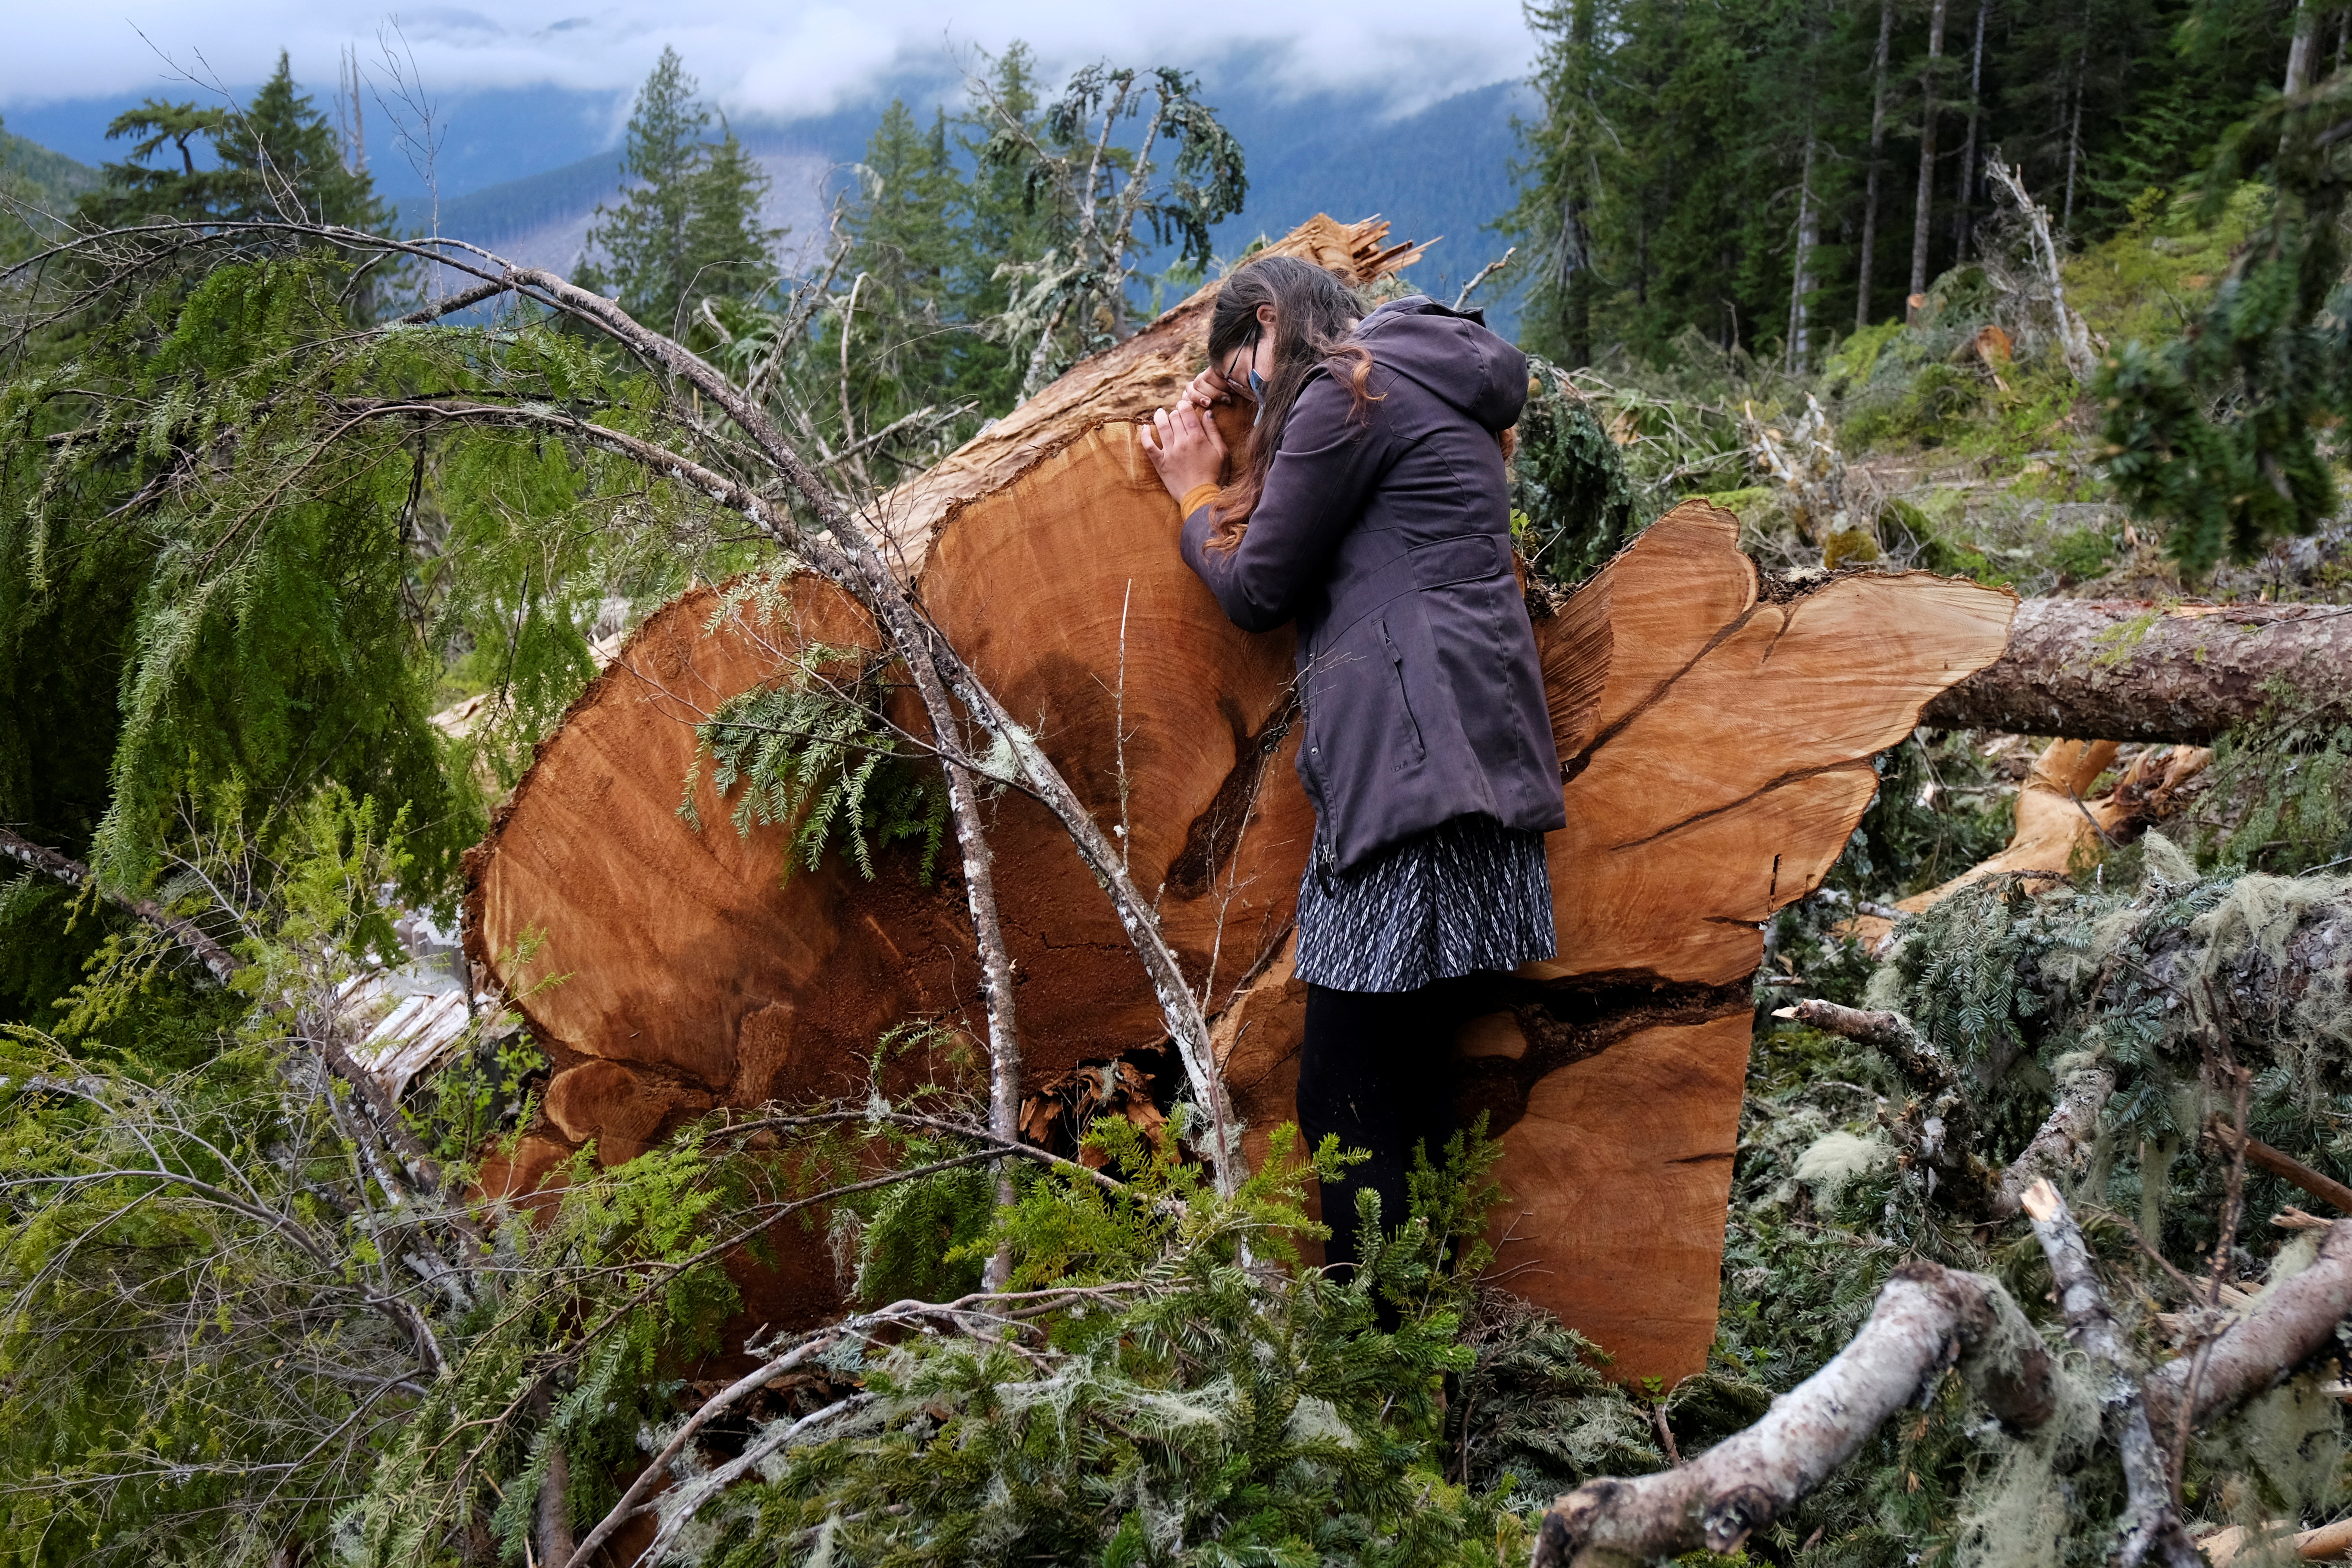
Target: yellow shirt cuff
{"points": [[1196, 497]]}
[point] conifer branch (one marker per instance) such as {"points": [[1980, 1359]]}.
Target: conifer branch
{"points": [[63, 868], [2154, 1530], [382, 1115]]}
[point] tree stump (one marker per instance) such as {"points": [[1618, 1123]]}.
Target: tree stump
{"points": [[1717, 743]]}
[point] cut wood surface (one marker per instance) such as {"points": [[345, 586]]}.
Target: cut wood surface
{"points": [[1716, 741], [2125, 670], [2060, 827]]}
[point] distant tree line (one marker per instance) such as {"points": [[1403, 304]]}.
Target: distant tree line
{"points": [[1774, 172]]}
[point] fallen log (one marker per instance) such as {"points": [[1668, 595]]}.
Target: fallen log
{"points": [[2125, 670], [695, 974]]}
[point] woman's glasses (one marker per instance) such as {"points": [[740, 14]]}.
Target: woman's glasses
{"points": [[1235, 370]]}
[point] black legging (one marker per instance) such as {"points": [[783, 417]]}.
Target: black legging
{"points": [[1377, 1069]]}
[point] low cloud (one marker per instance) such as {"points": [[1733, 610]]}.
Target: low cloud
{"points": [[769, 62]]}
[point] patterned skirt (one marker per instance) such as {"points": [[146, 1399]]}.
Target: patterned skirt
{"points": [[1468, 895]]}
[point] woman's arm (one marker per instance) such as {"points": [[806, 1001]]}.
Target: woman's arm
{"points": [[1314, 493]]}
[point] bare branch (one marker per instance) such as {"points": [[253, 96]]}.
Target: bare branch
{"points": [[2064, 1139], [2292, 1320], [1462, 301], [2284, 1167], [2153, 1527], [1927, 1318], [62, 866]]}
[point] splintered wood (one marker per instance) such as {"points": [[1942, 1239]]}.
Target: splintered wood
{"points": [[1716, 747]]}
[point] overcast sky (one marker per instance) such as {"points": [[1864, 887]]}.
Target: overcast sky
{"points": [[775, 59]]}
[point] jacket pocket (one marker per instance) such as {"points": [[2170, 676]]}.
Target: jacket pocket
{"points": [[1404, 700]]}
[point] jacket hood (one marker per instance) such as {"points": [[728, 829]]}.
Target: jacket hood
{"points": [[1452, 355]]}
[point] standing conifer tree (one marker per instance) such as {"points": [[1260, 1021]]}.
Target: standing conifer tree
{"points": [[1554, 215], [1010, 224], [277, 157], [906, 248], [690, 229]]}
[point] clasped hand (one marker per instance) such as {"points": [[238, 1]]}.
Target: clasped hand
{"points": [[1182, 442]]}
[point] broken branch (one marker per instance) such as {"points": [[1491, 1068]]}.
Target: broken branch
{"points": [[2064, 1139], [1926, 1318], [63, 868], [2284, 1167], [2292, 1320], [2154, 1528]]}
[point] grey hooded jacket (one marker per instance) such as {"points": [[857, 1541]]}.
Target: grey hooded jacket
{"points": [[1387, 537]]}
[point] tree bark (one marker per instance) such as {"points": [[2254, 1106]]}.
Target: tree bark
{"points": [[1927, 1318], [2292, 1321], [2064, 1139], [1923, 220], [2153, 1528], [1800, 282], [1877, 151], [551, 1523], [2124, 671], [1965, 205], [2300, 51], [2075, 123]]}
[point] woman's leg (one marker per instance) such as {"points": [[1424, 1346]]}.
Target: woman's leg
{"points": [[1376, 1069]]}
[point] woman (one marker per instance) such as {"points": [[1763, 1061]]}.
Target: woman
{"points": [[1370, 507]]}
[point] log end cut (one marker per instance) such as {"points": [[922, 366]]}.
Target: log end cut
{"points": [[1716, 738]]}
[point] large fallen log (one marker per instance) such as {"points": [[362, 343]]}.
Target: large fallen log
{"points": [[2125, 670], [1717, 737]]}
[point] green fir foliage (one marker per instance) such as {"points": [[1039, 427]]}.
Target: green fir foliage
{"points": [[688, 228]]}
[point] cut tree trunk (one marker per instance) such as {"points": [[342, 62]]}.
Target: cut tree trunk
{"points": [[2124, 671], [1715, 740]]}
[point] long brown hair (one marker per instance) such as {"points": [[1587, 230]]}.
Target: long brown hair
{"points": [[1314, 312]]}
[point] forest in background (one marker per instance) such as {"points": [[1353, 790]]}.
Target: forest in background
{"points": [[243, 607]]}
